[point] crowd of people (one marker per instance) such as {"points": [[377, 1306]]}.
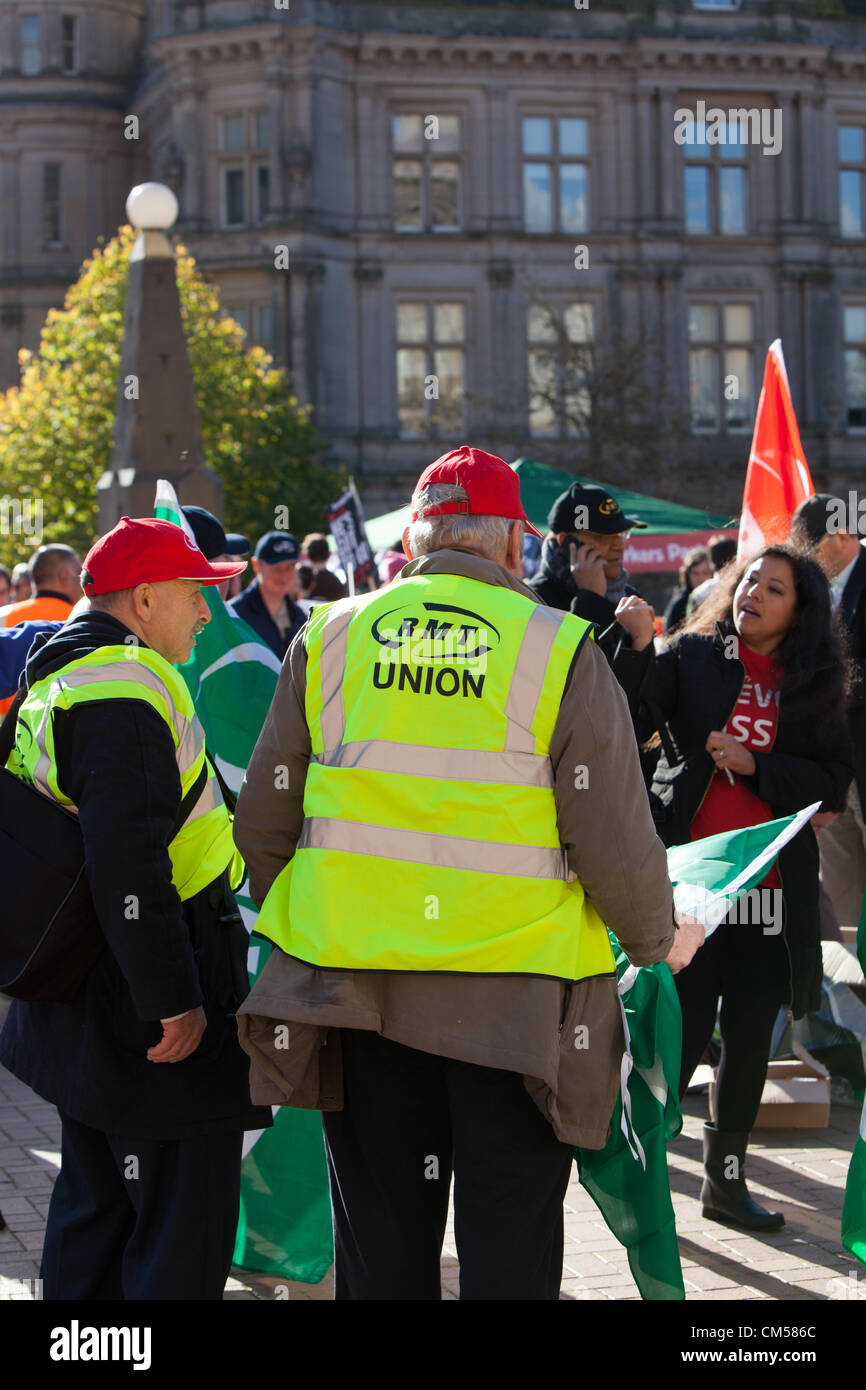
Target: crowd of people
{"points": [[436, 950]]}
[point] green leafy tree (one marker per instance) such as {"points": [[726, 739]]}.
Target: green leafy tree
{"points": [[56, 428]]}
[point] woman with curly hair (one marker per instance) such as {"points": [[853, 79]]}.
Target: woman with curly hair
{"points": [[752, 689]]}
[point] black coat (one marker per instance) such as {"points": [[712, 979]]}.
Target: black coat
{"points": [[675, 613], [695, 685], [252, 608], [631, 668], [116, 762], [853, 612]]}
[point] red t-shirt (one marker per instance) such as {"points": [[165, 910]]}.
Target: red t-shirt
{"points": [[753, 722]]}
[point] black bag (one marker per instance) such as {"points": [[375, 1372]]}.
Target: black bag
{"points": [[50, 936]]}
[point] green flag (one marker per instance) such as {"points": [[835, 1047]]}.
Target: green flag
{"points": [[285, 1213], [628, 1178], [710, 874], [232, 674], [854, 1205]]}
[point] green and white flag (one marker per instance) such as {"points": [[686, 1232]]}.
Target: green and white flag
{"points": [[628, 1178], [854, 1205], [710, 874], [232, 674], [285, 1213]]}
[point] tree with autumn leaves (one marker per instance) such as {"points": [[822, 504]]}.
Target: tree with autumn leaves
{"points": [[56, 428]]}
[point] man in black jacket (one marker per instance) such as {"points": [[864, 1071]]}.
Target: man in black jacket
{"points": [[267, 604], [143, 1063], [821, 524], [582, 572]]}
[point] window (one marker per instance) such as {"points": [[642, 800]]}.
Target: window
{"points": [[245, 174], [69, 43], [851, 170], [51, 226], [426, 172], [257, 320], [264, 323], [854, 319], [233, 198], [721, 367], [263, 202], [715, 181], [31, 52], [559, 345], [241, 315], [555, 174], [431, 354], [160, 14]]}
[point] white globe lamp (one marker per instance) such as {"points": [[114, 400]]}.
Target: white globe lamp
{"points": [[153, 209]]}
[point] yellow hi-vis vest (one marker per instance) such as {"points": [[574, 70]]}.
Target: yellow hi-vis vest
{"points": [[430, 837], [203, 846]]}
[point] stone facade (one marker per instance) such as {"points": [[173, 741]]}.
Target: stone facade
{"points": [[375, 186]]}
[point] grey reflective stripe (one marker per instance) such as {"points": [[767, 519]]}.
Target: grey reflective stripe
{"points": [[120, 671], [332, 667], [190, 736], [455, 764], [439, 851], [527, 680]]}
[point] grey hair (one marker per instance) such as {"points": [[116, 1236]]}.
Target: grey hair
{"points": [[486, 534]]}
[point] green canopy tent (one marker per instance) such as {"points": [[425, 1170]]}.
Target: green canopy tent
{"points": [[539, 488]]}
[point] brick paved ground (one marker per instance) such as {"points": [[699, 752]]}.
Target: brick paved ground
{"points": [[802, 1172]]}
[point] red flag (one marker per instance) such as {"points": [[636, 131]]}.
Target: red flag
{"points": [[778, 477]]}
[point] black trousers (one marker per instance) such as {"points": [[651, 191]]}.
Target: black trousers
{"points": [[750, 972], [141, 1218], [410, 1120]]}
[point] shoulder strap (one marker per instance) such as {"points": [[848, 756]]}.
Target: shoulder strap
{"points": [[189, 800], [7, 728], [229, 797]]}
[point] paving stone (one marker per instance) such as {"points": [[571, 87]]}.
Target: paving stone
{"points": [[801, 1172]]}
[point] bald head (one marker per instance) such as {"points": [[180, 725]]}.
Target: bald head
{"points": [[56, 567]]}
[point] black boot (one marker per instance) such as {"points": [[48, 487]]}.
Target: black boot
{"points": [[726, 1199]]}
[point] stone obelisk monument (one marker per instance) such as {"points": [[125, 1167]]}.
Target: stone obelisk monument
{"points": [[156, 432]]}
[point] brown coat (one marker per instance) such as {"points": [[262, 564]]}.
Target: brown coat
{"points": [[517, 1023]]}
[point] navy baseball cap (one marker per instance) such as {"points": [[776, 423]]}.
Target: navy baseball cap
{"points": [[210, 537], [276, 546]]}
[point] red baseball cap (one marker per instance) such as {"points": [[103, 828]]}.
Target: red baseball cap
{"points": [[490, 484], [147, 550]]}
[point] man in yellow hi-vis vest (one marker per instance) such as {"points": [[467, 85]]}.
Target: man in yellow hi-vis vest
{"points": [[444, 809], [143, 1062]]}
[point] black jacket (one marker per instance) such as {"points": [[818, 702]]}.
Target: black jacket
{"points": [[116, 762], [853, 612], [252, 608], [695, 685], [675, 613], [631, 668]]}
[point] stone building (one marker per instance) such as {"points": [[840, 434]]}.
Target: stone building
{"points": [[440, 216]]}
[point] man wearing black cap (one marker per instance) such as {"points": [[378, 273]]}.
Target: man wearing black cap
{"points": [[215, 544], [820, 525], [582, 571], [267, 604]]}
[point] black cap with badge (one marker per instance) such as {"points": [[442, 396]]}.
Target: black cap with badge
{"points": [[586, 507], [276, 546]]}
